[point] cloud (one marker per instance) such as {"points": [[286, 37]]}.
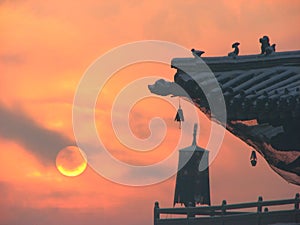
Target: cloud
{"points": [[42, 142], [4, 188], [29, 215], [11, 59]]}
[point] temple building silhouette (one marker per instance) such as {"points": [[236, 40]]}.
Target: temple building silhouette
{"points": [[261, 95]]}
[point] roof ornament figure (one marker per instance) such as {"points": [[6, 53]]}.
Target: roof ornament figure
{"points": [[236, 50], [197, 53], [270, 49], [266, 48]]}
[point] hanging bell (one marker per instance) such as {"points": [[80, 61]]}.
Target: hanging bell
{"points": [[253, 158], [179, 116]]}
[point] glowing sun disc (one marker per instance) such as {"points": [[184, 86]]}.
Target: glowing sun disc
{"points": [[71, 161]]}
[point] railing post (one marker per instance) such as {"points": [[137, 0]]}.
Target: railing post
{"points": [[297, 200], [156, 213], [259, 209], [189, 214], [224, 203], [259, 206]]}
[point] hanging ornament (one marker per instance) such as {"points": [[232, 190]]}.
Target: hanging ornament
{"points": [[179, 115], [253, 158]]}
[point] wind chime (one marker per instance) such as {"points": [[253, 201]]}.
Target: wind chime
{"points": [[179, 115], [253, 158]]}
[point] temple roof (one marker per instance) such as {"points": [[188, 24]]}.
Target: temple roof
{"points": [[243, 62], [194, 147], [253, 86], [262, 98]]}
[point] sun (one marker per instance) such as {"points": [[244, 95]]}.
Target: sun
{"points": [[71, 161]]}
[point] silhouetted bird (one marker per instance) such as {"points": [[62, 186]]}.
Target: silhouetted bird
{"points": [[197, 53], [236, 50]]}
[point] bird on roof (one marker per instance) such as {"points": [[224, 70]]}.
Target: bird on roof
{"points": [[197, 53], [236, 50]]}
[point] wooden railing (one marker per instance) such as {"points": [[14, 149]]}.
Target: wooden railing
{"points": [[223, 214]]}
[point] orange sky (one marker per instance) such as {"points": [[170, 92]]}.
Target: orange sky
{"points": [[45, 49]]}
